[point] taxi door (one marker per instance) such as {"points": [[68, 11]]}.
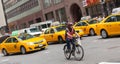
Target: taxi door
{"points": [[7, 45], [15, 45], [47, 35], [110, 25], [53, 35], [83, 26], [118, 23]]}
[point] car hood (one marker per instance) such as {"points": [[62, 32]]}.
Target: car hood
{"points": [[35, 39]]}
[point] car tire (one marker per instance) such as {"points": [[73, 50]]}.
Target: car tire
{"points": [[4, 52], [60, 40], [92, 32], [104, 34], [23, 50]]}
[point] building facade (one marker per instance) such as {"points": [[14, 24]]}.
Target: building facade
{"points": [[100, 7], [63, 10], [23, 13]]}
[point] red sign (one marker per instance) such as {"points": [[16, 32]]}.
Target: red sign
{"points": [[89, 2]]}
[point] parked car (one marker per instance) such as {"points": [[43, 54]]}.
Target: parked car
{"points": [[31, 30], [109, 26], [116, 10], [88, 27], [42, 25], [23, 43], [57, 34]]}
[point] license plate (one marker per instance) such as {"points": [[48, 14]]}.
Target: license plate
{"points": [[40, 45]]}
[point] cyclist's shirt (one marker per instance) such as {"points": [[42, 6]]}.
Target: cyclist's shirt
{"points": [[70, 32]]}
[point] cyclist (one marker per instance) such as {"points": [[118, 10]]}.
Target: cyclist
{"points": [[69, 36]]}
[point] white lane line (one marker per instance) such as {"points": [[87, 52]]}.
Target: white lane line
{"points": [[108, 63], [3, 61]]}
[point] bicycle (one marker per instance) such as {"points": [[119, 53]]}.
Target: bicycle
{"points": [[77, 51]]}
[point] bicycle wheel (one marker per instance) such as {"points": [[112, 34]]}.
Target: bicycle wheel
{"points": [[66, 53], [79, 52]]}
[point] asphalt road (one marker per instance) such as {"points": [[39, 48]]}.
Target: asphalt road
{"points": [[97, 50]]}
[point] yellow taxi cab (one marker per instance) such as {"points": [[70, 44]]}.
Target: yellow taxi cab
{"points": [[109, 26], [57, 34], [88, 27], [22, 43]]}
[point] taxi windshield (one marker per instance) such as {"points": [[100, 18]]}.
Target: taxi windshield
{"points": [[60, 28], [93, 21], [34, 30], [25, 36]]}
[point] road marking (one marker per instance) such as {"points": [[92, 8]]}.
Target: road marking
{"points": [[108, 63], [3, 61]]}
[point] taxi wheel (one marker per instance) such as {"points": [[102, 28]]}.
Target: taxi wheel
{"points": [[104, 34], [60, 40], [4, 52], [23, 50], [92, 32]]}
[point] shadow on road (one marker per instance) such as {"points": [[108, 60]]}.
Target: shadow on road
{"points": [[28, 53], [55, 43], [110, 37]]}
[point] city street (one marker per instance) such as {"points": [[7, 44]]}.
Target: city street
{"points": [[97, 50]]}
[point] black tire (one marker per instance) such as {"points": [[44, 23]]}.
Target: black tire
{"points": [[23, 50], [92, 32], [43, 48], [67, 55], [79, 52], [104, 34], [60, 40], [5, 53]]}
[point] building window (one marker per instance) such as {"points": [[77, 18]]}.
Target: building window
{"points": [[24, 25], [61, 15], [57, 1], [38, 20], [30, 22], [49, 16], [47, 3], [25, 7], [99, 9], [90, 11], [10, 3]]}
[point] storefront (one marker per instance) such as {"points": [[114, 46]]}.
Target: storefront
{"points": [[100, 7]]}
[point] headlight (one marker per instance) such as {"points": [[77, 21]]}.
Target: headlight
{"points": [[80, 31], [41, 41], [30, 43]]}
